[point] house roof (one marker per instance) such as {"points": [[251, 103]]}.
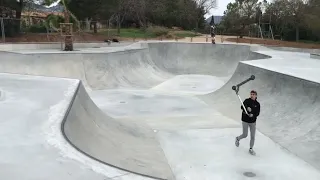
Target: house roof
{"points": [[39, 14], [217, 19]]}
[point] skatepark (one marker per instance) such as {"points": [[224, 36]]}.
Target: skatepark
{"points": [[157, 110]]}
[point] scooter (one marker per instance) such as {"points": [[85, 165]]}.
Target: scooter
{"points": [[236, 88]]}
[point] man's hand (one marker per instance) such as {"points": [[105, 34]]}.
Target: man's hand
{"points": [[248, 109], [251, 115]]}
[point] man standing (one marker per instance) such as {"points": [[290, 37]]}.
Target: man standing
{"points": [[213, 35], [249, 120], [212, 32]]}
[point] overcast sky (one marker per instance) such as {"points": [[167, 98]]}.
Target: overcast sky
{"points": [[222, 6], [40, 1]]}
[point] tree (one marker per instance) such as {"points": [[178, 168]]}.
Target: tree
{"points": [[123, 9], [297, 11], [67, 14], [278, 12], [231, 20], [140, 9], [185, 14], [16, 5], [247, 11], [203, 7], [288, 18], [95, 10], [312, 17]]}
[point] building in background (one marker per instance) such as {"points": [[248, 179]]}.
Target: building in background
{"points": [[216, 20]]}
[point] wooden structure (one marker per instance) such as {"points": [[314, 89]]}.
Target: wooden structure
{"points": [[66, 32]]}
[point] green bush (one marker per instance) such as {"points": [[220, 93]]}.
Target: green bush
{"points": [[157, 30], [54, 20], [38, 28], [169, 36], [23, 26], [185, 34], [11, 27]]}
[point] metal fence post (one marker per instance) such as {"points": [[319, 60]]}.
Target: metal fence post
{"points": [[3, 35]]}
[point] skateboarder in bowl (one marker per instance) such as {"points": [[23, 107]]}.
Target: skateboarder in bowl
{"points": [[249, 121]]}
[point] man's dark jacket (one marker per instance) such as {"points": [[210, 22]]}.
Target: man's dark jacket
{"points": [[255, 110]]}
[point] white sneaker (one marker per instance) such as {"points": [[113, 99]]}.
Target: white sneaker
{"points": [[237, 143], [251, 151]]}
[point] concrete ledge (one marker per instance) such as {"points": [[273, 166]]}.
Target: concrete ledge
{"points": [[57, 45], [292, 49]]}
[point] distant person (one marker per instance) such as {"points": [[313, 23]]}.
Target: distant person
{"points": [[213, 35], [213, 40], [249, 121]]}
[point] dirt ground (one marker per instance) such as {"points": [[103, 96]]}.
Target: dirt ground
{"points": [[78, 37], [271, 42], [54, 37], [89, 37]]}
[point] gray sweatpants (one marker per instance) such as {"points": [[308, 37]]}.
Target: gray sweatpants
{"points": [[245, 127]]}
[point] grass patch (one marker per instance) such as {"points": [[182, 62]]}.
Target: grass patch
{"points": [[130, 33], [158, 31], [150, 32]]}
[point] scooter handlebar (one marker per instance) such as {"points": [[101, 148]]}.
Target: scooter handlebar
{"points": [[236, 87]]}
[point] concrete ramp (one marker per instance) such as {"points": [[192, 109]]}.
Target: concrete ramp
{"points": [[145, 67], [128, 146], [206, 59]]}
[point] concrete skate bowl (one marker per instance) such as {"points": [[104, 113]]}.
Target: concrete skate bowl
{"points": [[127, 144], [289, 108], [142, 68]]}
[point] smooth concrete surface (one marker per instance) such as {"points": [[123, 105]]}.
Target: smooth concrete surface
{"points": [[166, 110], [208, 154], [32, 146], [192, 84], [293, 50], [132, 103], [298, 65]]}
